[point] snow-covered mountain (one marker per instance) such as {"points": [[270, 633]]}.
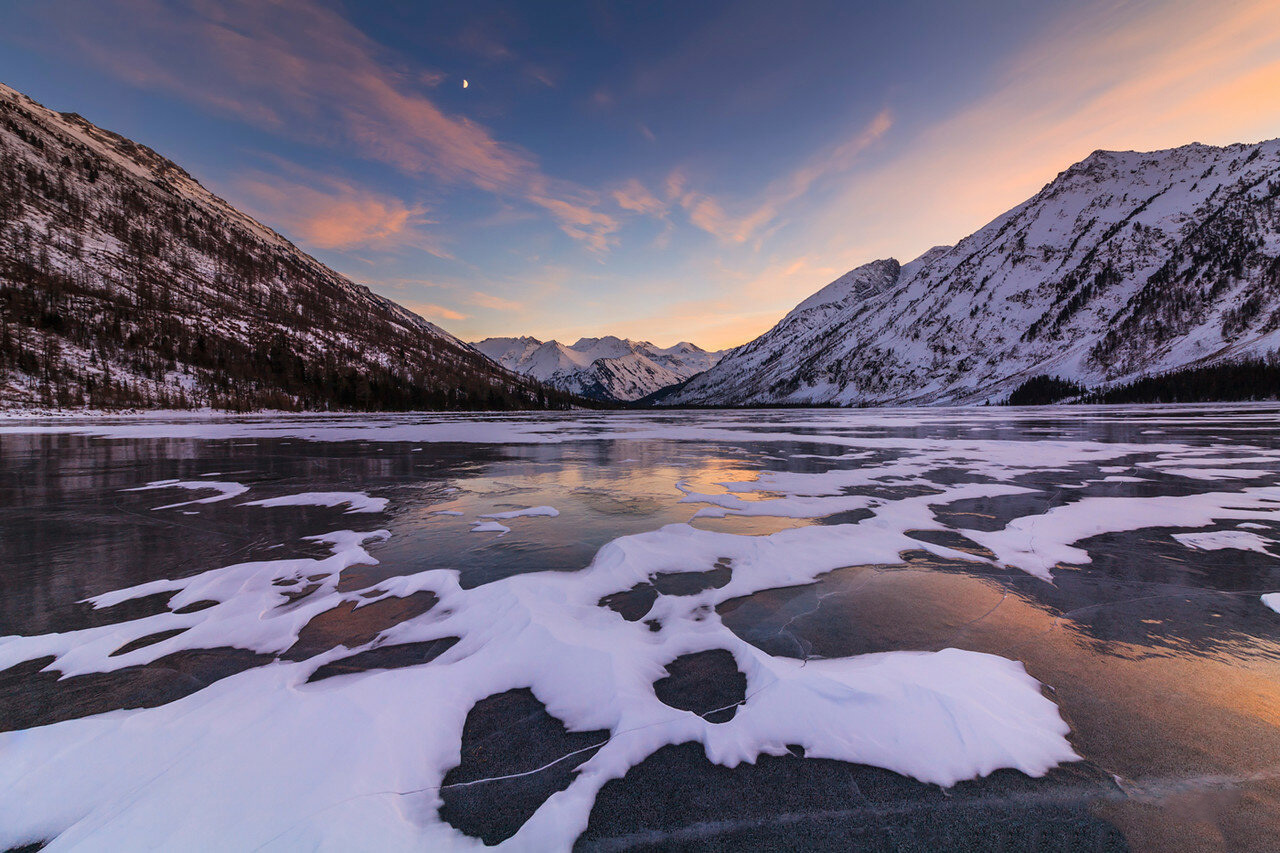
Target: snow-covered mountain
{"points": [[1125, 264], [123, 281], [607, 368]]}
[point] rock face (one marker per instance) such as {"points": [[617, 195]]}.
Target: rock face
{"points": [[1125, 264], [124, 282], [607, 368]]}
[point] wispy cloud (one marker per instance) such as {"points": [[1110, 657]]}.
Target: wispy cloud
{"points": [[494, 303], [299, 68], [709, 214]]}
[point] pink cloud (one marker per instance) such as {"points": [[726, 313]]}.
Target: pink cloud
{"points": [[494, 303], [634, 196]]}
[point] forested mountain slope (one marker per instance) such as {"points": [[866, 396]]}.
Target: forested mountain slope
{"points": [[124, 282]]}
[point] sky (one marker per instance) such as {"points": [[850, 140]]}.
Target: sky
{"points": [[662, 171]]}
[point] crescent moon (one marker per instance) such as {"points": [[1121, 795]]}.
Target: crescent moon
{"points": [[465, 84]]}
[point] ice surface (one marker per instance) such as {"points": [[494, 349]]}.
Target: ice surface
{"points": [[253, 611], [340, 761], [357, 760]]}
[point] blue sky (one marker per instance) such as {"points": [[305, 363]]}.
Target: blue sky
{"points": [[667, 171]]}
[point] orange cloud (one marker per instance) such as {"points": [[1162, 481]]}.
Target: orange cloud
{"points": [[327, 213], [579, 220], [435, 312]]}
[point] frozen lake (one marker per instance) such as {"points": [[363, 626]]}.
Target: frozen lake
{"points": [[875, 629]]}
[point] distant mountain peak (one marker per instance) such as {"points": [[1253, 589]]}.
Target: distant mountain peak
{"points": [[606, 368]]}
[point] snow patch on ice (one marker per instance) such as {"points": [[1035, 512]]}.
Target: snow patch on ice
{"points": [[226, 491], [1038, 543], [367, 753], [357, 501], [1217, 540], [489, 527]]}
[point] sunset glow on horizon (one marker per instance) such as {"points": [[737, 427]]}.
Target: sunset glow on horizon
{"points": [[666, 173]]}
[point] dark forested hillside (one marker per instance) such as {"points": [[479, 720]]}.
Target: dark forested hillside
{"points": [[123, 282]]}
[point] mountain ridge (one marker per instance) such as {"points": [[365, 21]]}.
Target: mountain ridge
{"points": [[607, 368], [1125, 264], [125, 282]]}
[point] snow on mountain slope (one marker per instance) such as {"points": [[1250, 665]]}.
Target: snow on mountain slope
{"points": [[1126, 263], [124, 282], [607, 368]]}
